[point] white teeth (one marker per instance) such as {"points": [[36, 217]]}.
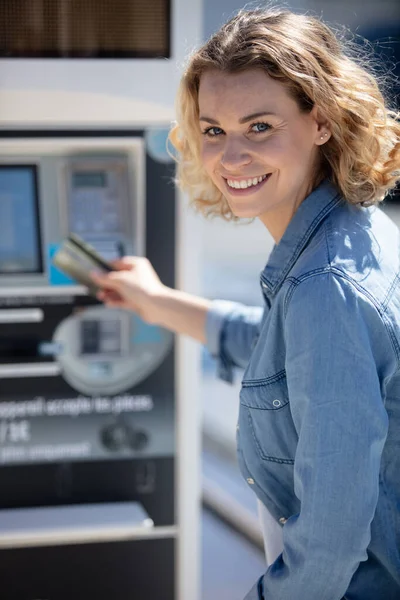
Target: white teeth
{"points": [[243, 184]]}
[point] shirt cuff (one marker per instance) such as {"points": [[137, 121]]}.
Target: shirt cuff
{"points": [[215, 318], [215, 334]]}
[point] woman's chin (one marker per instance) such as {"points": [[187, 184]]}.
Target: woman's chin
{"points": [[244, 212]]}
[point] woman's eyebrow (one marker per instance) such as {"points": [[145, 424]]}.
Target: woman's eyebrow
{"points": [[243, 119]]}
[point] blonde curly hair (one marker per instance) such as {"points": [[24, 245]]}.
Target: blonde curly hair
{"points": [[362, 156]]}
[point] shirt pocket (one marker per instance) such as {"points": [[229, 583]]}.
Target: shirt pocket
{"points": [[267, 419]]}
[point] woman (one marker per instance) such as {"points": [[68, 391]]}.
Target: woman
{"points": [[277, 122]]}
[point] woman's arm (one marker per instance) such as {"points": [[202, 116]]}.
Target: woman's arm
{"points": [[181, 312], [228, 329], [135, 286]]}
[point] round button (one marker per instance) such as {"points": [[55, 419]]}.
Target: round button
{"points": [[138, 440], [282, 520], [277, 403], [114, 437], [250, 480]]}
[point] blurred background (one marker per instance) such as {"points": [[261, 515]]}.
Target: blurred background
{"points": [[231, 255]]}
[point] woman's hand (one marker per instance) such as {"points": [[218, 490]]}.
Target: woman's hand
{"points": [[134, 285]]}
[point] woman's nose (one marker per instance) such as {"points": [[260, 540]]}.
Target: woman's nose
{"points": [[234, 156]]}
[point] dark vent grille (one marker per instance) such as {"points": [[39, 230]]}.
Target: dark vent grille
{"points": [[85, 28]]}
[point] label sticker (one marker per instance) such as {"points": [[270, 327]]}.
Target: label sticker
{"points": [[57, 277]]}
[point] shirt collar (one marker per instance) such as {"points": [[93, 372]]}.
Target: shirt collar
{"points": [[314, 208]]}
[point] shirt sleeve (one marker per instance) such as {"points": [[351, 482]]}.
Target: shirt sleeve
{"points": [[333, 369], [231, 331]]}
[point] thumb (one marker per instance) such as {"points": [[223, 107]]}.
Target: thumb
{"points": [[126, 263]]}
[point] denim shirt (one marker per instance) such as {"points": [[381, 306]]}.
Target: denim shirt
{"points": [[318, 435]]}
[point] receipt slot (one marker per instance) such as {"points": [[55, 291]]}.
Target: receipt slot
{"points": [[88, 448]]}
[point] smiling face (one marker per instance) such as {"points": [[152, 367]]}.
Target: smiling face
{"points": [[258, 148]]}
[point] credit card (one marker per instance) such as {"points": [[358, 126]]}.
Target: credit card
{"points": [[78, 259]]}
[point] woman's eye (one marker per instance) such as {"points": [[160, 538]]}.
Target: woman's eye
{"points": [[260, 127], [255, 128], [212, 131]]}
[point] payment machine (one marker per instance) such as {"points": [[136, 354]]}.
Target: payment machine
{"points": [[99, 478], [86, 392]]}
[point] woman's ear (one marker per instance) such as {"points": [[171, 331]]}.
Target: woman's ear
{"points": [[322, 128]]}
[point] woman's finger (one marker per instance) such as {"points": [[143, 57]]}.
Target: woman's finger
{"points": [[104, 279], [112, 296], [124, 264]]}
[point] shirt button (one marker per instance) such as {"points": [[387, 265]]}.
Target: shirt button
{"points": [[250, 480], [282, 520], [264, 285], [277, 403]]}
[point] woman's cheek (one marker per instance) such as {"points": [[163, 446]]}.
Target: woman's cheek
{"points": [[273, 149], [209, 157]]}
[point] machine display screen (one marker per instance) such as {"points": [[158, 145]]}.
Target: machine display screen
{"points": [[19, 218], [91, 179]]}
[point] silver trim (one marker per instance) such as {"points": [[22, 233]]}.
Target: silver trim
{"points": [[78, 524], [30, 370], [128, 533], [21, 315], [62, 290]]}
